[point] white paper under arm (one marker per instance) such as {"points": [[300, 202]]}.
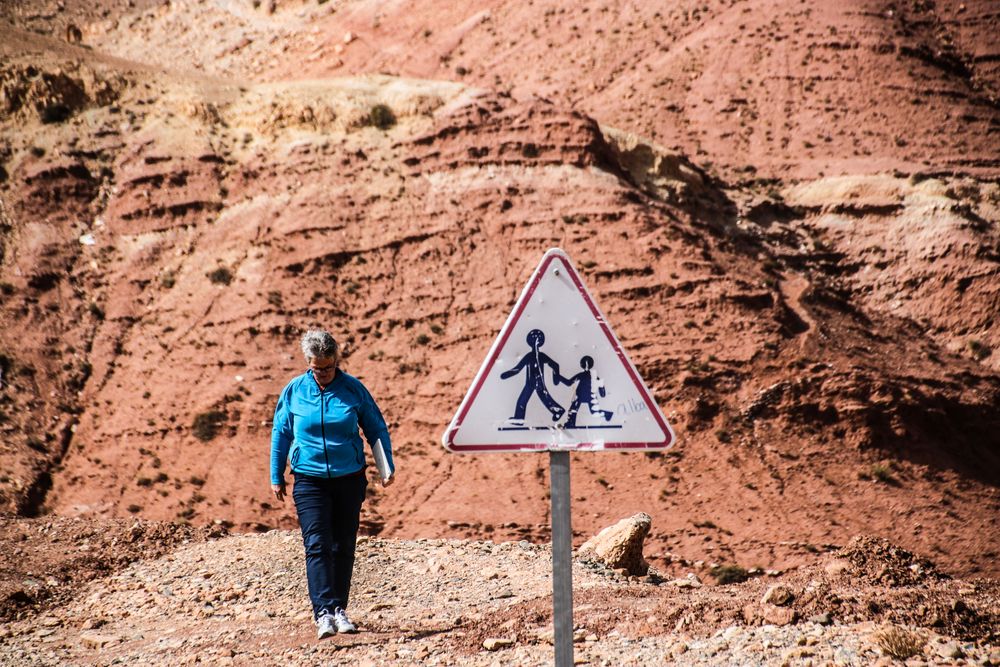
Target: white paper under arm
{"points": [[381, 463]]}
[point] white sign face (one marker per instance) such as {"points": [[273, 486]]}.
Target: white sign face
{"points": [[557, 378]]}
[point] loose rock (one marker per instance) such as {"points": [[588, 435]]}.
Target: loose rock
{"points": [[497, 643], [620, 545], [777, 595]]}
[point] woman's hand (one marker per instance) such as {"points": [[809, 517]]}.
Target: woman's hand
{"points": [[388, 482], [279, 492]]}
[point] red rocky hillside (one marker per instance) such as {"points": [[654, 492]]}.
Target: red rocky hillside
{"points": [[788, 212]]}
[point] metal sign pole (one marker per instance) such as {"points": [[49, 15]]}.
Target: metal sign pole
{"points": [[562, 564]]}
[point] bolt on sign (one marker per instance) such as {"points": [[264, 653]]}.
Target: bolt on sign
{"points": [[557, 378]]}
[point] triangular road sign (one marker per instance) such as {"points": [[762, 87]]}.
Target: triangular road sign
{"points": [[557, 378]]}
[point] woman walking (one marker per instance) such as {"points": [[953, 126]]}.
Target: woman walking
{"points": [[317, 419]]}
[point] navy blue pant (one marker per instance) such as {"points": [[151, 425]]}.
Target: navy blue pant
{"points": [[329, 513]]}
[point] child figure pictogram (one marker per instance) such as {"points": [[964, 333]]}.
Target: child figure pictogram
{"points": [[589, 390], [534, 363]]}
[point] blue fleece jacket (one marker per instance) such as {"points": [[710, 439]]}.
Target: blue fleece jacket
{"points": [[320, 427]]}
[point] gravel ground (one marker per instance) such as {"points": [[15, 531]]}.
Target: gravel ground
{"points": [[242, 600]]}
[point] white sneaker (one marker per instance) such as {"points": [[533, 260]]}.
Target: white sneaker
{"points": [[326, 625], [342, 622]]}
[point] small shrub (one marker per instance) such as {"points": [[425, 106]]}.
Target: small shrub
{"points": [[221, 276], [729, 574], [436, 329], [900, 643], [96, 311], [405, 367], [381, 116], [979, 350], [144, 481], [882, 474], [168, 279], [54, 113], [275, 299], [134, 508], [423, 339], [161, 477], [197, 481], [206, 424]]}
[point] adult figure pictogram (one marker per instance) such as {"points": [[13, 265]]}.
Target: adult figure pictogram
{"points": [[533, 363]]}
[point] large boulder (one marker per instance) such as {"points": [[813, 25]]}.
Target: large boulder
{"points": [[620, 545]]}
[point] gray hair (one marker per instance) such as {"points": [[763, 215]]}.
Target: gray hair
{"points": [[318, 344]]}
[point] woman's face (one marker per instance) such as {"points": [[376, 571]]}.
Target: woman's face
{"points": [[323, 369]]}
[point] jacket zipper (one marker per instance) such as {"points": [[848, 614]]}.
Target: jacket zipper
{"points": [[322, 426]]}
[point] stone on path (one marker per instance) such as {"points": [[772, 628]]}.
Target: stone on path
{"points": [[777, 595], [97, 640], [766, 613], [497, 643], [620, 545]]}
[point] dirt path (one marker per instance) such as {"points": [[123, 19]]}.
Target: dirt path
{"points": [[242, 600]]}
